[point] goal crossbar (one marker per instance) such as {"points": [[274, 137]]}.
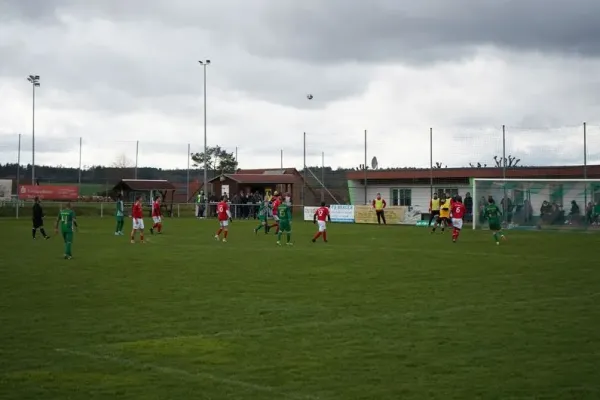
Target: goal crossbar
{"points": [[524, 180]]}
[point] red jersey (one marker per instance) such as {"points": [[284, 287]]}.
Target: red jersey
{"points": [[458, 210], [156, 209], [222, 211], [322, 213], [137, 211], [276, 204]]}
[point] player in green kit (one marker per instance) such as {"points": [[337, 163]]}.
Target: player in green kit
{"points": [[66, 220], [263, 214], [284, 212], [120, 216], [493, 214]]}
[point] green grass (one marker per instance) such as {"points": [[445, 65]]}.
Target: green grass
{"points": [[377, 313]]}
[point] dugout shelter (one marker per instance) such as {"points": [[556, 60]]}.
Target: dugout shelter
{"points": [[148, 189]]}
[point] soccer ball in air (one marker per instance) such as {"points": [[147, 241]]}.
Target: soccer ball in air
{"points": [[309, 96]]}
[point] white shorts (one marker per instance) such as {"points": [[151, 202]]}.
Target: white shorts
{"points": [[276, 218], [457, 223], [322, 226], [224, 224], [157, 220], [138, 224]]}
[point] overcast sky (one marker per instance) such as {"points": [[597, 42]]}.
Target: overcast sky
{"points": [[116, 72]]}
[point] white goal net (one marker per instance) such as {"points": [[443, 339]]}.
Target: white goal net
{"points": [[539, 203]]}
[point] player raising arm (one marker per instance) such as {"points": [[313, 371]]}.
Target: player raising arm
{"points": [[66, 220], [457, 211], [284, 212], [276, 201], [321, 216], [137, 215], [493, 214], [156, 216], [224, 216]]}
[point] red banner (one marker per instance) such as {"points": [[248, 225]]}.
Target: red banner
{"points": [[48, 192]]}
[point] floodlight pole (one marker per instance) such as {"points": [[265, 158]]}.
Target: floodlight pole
{"points": [[585, 166], [35, 82], [504, 199], [204, 64]]}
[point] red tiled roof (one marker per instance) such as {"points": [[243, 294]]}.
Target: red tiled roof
{"points": [[260, 171], [557, 172], [260, 178]]}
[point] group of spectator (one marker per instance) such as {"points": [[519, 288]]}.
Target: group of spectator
{"points": [[551, 213]]}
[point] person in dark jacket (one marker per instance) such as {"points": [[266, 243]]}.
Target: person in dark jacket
{"points": [[38, 219]]}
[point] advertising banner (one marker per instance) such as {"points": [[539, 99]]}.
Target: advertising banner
{"points": [[342, 213], [5, 189], [394, 215], [338, 212], [48, 192], [309, 212]]}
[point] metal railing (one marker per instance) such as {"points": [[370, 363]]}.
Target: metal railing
{"points": [[23, 209]]}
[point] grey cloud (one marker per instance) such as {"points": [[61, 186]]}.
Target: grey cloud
{"points": [[336, 31]]}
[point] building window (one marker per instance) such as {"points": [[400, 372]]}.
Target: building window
{"points": [[596, 196], [519, 197], [402, 197], [442, 191], [556, 194]]}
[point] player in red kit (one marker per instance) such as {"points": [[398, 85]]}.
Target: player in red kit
{"points": [[275, 207], [224, 216], [457, 213], [137, 214], [156, 216], [321, 216]]}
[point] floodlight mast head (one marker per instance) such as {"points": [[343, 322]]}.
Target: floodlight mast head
{"points": [[204, 62], [34, 80]]}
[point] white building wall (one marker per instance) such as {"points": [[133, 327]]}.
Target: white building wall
{"points": [[420, 194]]}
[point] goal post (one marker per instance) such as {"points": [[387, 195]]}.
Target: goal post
{"points": [[539, 203]]}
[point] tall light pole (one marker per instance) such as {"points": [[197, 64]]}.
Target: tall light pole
{"points": [[205, 63], [35, 82]]}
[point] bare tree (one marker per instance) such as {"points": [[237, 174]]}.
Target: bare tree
{"points": [[511, 162], [122, 166]]}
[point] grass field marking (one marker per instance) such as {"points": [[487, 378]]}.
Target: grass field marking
{"points": [[354, 320], [183, 373]]}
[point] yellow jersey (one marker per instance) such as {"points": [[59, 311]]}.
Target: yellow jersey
{"points": [[445, 209], [435, 205]]}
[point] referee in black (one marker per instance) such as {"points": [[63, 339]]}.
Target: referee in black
{"points": [[38, 219]]}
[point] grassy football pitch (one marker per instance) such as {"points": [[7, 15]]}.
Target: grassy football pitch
{"points": [[376, 313]]}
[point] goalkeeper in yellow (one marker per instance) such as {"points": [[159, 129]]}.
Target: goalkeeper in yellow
{"points": [[493, 214]]}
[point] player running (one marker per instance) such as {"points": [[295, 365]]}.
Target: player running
{"points": [[224, 216], [493, 214], [321, 216], [66, 220], [156, 216], [284, 212], [457, 211], [119, 216], [444, 217], [276, 202], [263, 214], [137, 215]]}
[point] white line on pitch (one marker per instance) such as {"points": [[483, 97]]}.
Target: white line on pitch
{"points": [[183, 373]]}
